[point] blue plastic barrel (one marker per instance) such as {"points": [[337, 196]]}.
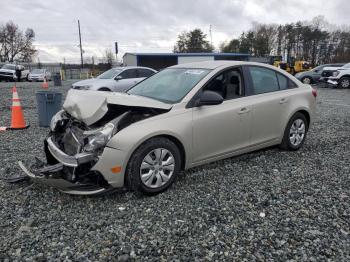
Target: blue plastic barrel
{"points": [[49, 103]]}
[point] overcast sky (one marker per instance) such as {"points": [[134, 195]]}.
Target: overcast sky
{"points": [[153, 25]]}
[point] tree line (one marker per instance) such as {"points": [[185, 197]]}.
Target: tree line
{"points": [[16, 45], [312, 41]]}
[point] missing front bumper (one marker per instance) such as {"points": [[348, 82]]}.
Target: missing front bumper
{"points": [[72, 161], [46, 176]]}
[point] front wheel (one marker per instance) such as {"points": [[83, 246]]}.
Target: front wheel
{"points": [[295, 132], [344, 82], [154, 166]]}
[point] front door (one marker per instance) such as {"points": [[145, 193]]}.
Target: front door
{"points": [[222, 129]]}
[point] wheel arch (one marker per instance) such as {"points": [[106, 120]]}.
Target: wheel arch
{"points": [[173, 139], [303, 111], [104, 89], [306, 114]]}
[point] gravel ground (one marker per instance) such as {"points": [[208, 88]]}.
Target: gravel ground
{"points": [[267, 205]]}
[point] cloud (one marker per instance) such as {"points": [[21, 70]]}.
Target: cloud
{"points": [[151, 26]]}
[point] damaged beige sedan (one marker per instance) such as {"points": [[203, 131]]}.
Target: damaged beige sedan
{"points": [[181, 117]]}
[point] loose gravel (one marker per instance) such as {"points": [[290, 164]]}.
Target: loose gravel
{"points": [[266, 205]]}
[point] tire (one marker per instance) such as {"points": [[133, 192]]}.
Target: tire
{"points": [[344, 82], [294, 135], [307, 80], [104, 89], [145, 175]]}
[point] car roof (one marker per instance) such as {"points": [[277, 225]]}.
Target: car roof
{"points": [[131, 67], [219, 63]]}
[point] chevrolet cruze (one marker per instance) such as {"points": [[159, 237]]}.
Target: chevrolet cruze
{"points": [[184, 116]]}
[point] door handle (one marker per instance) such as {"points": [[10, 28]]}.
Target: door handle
{"points": [[243, 110], [283, 100]]}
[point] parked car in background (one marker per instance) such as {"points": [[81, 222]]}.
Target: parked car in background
{"points": [[337, 77], [313, 76], [117, 79], [184, 116], [39, 75], [9, 72]]}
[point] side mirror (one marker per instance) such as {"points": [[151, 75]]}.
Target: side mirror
{"points": [[118, 78], [209, 98], [316, 71]]}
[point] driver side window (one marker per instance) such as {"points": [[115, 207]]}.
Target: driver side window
{"points": [[229, 84]]}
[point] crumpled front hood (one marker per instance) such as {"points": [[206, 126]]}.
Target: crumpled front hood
{"points": [[91, 106]]}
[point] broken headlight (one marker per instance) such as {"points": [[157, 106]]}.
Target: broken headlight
{"points": [[99, 138], [334, 74], [57, 117]]}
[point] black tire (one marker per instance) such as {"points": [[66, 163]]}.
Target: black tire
{"points": [[104, 89], [286, 141], [133, 177], [344, 82], [307, 80]]}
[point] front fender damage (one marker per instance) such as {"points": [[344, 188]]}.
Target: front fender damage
{"points": [[72, 166]]}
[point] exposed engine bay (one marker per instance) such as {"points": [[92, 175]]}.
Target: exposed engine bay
{"points": [[73, 147]]}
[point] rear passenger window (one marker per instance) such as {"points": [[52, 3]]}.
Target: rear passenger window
{"points": [[264, 80], [282, 81], [144, 73]]}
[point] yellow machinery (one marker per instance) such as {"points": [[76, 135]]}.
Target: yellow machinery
{"points": [[292, 67]]}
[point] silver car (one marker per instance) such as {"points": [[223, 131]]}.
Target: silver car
{"points": [[116, 79], [184, 116], [39, 75]]}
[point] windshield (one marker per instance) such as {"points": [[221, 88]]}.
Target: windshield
{"points": [[346, 65], [38, 71], [169, 85], [11, 67], [111, 73]]}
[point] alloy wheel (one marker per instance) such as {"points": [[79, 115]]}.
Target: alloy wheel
{"points": [[345, 83], [157, 168], [297, 132], [307, 80]]}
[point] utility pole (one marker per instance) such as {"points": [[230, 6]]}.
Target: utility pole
{"points": [[81, 48], [211, 37]]}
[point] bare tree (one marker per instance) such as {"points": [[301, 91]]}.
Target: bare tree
{"points": [[108, 57], [16, 45]]}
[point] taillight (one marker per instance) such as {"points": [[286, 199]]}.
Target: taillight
{"points": [[314, 92]]}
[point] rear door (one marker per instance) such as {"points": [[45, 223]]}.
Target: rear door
{"points": [[128, 79], [222, 129], [270, 94]]}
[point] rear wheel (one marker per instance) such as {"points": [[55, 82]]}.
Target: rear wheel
{"points": [[154, 166], [344, 82], [307, 80], [295, 132]]}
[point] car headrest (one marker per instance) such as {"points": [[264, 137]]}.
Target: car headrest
{"points": [[234, 80], [217, 85]]}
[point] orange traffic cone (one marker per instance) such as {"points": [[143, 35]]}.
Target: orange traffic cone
{"points": [[17, 117], [45, 84]]}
